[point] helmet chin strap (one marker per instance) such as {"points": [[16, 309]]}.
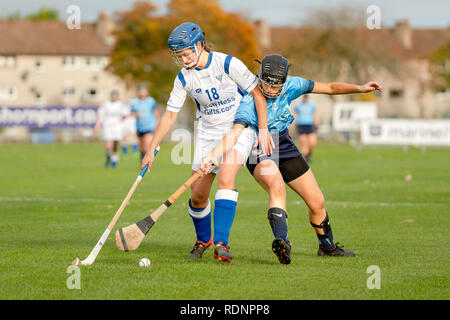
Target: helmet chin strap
{"points": [[194, 63], [265, 94]]}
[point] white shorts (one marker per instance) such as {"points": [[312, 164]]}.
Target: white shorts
{"points": [[204, 146], [112, 133], [129, 126]]}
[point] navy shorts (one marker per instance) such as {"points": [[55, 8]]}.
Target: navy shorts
{"points": [[285, 155], [305, 129], [143, 133]]}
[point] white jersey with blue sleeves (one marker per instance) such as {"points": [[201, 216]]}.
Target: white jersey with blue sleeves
{"points": [[278, 111], [217, 90]]}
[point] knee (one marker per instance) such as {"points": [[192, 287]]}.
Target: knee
{"points": [[198, 201], [226, 181], [277, 190], [317, 205]]}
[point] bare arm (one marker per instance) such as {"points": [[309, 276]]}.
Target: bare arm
{"points": [[264, 138], [345, 88], [164, 125], [156, 114], [225, 145]]}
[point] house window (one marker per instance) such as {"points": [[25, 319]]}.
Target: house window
{"points": [[8, 93], [38, 66], [94, 62], [7, 61], [93, 95], [68, 93], [40, 100], [396, 93], [69, 62]]}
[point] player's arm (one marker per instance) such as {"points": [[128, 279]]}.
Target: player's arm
{"points": [[99, 120], [176, 101], [156, 114], [247, 81], [264, 137], [344, 88], [225, 145]]}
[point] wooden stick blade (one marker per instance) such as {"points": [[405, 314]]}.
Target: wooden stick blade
{"points": [[129, 238]]}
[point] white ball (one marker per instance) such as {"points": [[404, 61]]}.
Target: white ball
{"points": [[144, 262]]}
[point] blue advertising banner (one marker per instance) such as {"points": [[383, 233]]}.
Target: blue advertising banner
{"points": [[51, 116]]}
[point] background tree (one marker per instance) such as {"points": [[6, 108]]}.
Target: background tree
{"points": [[336, 45], [141, 53], [44, 13], [441, 68]]}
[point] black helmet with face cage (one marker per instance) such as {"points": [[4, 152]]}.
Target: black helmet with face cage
{"points": [[273, 71]]}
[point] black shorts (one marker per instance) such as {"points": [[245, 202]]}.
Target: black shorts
{"points": [[286, 156], [305, 129], [290, 168], [143, 133]]}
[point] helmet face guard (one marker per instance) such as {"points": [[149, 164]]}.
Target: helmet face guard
{"points": [[273, 73], [186, 36]]}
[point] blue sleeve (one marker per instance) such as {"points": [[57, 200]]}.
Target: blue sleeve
{"points": [[300, 86], [246, 115], [133, 107]]}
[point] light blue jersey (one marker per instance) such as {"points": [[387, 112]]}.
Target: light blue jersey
{"points": [[146, 121], [305, 113], [278, 110]]}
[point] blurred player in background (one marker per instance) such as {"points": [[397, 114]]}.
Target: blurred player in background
{"points": [[286, 164], [143, 108], [216, 83], [129, 135], [109, 119], [307, 123]]}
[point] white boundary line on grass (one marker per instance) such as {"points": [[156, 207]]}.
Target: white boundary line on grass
{"points": [[243, 201]]}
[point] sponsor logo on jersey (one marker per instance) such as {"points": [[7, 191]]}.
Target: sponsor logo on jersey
{"points": [[198, 91], [219, 77]]}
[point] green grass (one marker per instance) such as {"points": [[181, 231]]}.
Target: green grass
{"points": [[56, 201]]}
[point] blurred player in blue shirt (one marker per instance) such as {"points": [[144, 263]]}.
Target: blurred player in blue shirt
{"points": [[147, 116], [307, 122]]}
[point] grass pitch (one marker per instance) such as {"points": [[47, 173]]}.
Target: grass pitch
{"points": [[56, 201]]}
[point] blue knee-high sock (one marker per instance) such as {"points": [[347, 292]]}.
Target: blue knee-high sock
{"points": [[224, 212], [135, 147], [326, 240], [124, 149], [202, 222], [278, 222]]}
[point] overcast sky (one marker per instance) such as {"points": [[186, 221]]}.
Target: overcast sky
{"points": [[421, 14]]}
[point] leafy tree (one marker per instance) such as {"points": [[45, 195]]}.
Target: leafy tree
{"points": [[141, 53], [441, 68], [45, 14]]}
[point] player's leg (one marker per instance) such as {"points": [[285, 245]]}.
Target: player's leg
{"points": [[115, 153], [312, 142], [225, 203], [304, 145], [145, 139], [134, 144], [267, 174], [307, 188], [200, 212], [199, 204], [124, 143], [108, 152], [227, 195]]}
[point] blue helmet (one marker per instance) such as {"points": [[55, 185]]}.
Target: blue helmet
{"points": [[186, 35]]}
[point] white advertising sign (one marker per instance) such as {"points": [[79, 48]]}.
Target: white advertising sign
{"points": [[347, 116], [406, 132]]}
